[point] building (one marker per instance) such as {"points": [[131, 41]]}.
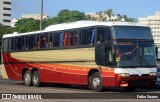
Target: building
{"points": [[35, 16], [5, 12], [13, 22], [154, 22], [95, 16]]}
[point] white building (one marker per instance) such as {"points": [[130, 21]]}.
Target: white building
{"points": [[35, 16], [154, 22], [13, 22], [97, 17], [5, 12]]}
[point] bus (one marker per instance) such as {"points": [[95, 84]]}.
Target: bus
{"points": [[91, 53]]}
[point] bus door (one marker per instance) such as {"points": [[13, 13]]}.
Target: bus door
{"points": [[104, 54]]}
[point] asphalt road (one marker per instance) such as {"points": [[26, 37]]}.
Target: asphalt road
{"points": [[10, 86]]}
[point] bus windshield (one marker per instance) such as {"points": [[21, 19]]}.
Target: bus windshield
{"points": [[130, 32], [135, 54]]}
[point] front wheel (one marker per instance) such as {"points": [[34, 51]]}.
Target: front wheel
{"points": [[95, 82], [27, 78], [36, 79]]}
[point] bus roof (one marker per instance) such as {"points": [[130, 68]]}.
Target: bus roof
{"points": [[74, 25]]}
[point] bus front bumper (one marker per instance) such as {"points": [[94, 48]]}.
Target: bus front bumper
{"points": [[138, 81]]}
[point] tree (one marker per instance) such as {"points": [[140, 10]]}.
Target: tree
{"points": [[3, 30], [26, 25], [109, 14], [101, 16], [128, 19], [70, 16], [119, 17]]}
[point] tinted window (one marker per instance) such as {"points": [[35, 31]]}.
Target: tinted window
{"points": [[103, 34], [57, 39], [19, 43], [5, 45], [12, 44], [73, 38], [66, 40], [31, 42], [130, 32], [87, 36], [51, 41]]}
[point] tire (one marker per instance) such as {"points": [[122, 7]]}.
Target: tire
{"points": [[36, 79], [95, 82], [130, 89], [27, 78]]}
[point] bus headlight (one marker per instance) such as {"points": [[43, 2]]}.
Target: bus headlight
{"points": [[123, 74], [153, 73]]}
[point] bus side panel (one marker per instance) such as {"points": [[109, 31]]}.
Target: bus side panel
{"points": [[65, 66], [108, 77], [11, 68], [65, 74]]}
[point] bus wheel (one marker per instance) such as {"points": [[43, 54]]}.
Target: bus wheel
{"points": [[95, 82], [36, 79], [27, 78]]}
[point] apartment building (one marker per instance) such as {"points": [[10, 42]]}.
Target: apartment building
{"points": [[35, 16], [154, 22], [5, 12]]}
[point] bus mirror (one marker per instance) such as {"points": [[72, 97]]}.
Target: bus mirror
{"points": [[156, 50]]}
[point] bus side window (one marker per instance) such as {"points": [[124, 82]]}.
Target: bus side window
{"points": [[66, 39], [92, 36], [103, 34], [9, 44], [31, 42], [46, 41], [19, 43], [5, 45], [26, 42], [50, 40], [73, 38], [42, 41], [56, 40], [87, 36], [24, 39], [12, 44], [38, 41]]}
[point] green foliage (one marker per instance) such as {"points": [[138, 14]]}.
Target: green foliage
{"points": [[26, 25], [4, 30], [107, 16], [70, 16]]}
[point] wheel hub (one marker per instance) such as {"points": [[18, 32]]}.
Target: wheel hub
{"points": [[35, 79], [96, 82], [27, 78]]}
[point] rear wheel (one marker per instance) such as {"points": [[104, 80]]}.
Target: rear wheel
{"points": [[27, 78], [36, 79], [95, 82]]}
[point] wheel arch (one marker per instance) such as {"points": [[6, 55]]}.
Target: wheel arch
{"points": [[23, 71], [91, 72], [34, 69]]}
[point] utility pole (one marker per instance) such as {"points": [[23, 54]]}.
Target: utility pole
{"points": [[41, 15]]}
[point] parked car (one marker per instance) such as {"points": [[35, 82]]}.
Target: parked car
{"points": [[158, 76]]}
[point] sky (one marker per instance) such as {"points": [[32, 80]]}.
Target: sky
{"points": [[131, 8]]}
